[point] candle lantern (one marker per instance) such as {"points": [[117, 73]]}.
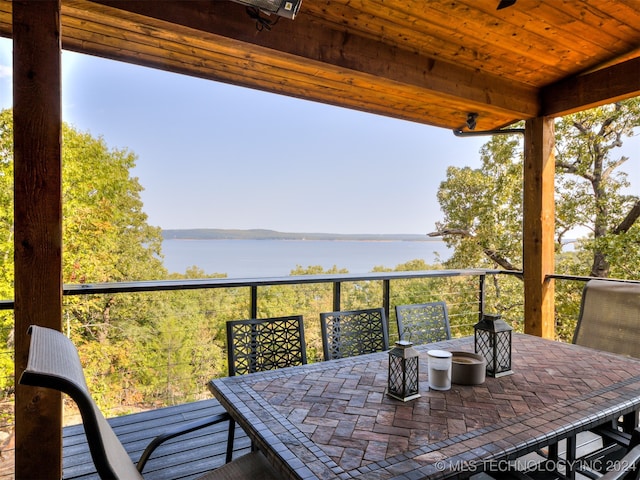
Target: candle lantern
{"points": [[403, 372], [493, 341]]}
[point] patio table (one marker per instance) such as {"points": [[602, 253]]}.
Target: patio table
{"points": [[334, 420]]}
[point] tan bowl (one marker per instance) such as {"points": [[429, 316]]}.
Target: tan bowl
{"points": [[467, 368]]}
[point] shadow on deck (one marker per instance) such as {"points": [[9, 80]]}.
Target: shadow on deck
{"points": [[184, 457]]}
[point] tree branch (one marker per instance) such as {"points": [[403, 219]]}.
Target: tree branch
{"points": [[455, 232], [566, 167], [613, 166], [605, 125], [464, 233], [583, 130], [629, 220], [573, 169], [499, 259]]}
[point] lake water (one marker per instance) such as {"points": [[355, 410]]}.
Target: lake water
{"points": [[266, 258]]}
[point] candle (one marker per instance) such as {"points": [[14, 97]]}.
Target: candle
{"points": [[439, 369], [439, 379]]}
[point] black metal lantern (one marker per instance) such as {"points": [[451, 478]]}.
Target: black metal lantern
{"points": [[493, 342], [403, 372]]}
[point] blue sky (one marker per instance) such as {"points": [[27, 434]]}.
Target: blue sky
{"points": [[211, 155]]}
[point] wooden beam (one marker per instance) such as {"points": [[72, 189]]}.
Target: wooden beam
{"points": [[598, 87], [538, 227], [37, 119], [310, 46]]}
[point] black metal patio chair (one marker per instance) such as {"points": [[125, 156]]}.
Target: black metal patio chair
{"points": [[622, 463], [355, 332], [256, 345], [627, 468], [54, 363], [423, 323]]}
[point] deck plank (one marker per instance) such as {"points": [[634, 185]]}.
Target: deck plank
{"points": [[185, 457]]}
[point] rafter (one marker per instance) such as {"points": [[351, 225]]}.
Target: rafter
{"points": [[598, 87]]}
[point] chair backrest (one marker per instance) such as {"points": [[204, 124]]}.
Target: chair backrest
{"points": [[262, 344], [423, 323], [610, 317], [54, 363], [356, 332]]}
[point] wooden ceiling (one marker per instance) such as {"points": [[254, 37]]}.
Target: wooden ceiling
{"points": [[428, 61]]}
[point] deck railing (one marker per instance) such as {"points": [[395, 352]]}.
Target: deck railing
{"points": [[468, 294]]}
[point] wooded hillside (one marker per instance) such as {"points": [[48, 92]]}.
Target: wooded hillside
{"points": [[263, 234]]}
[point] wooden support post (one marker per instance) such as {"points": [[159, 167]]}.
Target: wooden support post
{"points": [[538, 228], [37, 123]]}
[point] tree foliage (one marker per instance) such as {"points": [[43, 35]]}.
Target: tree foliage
{"points": [[144, 349], [106, 238], [162, 347], [6, 244], [591, 185], [483, 207]]}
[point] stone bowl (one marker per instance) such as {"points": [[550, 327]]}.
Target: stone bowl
{"points": [[467, 368]]}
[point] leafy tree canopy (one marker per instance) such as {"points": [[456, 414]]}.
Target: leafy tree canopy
{"points": [[483, 207]]}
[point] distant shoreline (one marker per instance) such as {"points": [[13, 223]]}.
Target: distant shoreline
{"points": [[262, 234]]}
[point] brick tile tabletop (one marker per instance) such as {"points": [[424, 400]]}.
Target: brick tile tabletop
{"points": [[333, 419]]}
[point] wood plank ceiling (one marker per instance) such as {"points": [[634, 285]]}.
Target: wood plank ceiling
{"points": [[431, 61]]}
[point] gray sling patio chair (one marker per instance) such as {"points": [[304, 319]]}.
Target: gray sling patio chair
{"points": [[609, 320], [54, 363], [623, 464], [423, 323], [610, 317], [355, 332], [627, 468]]}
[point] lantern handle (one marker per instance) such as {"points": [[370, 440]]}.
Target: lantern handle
{"points": [[405, 331]]}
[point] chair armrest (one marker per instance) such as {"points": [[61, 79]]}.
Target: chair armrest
{"points": [[183, 429], [610, 433], [628, 464]]}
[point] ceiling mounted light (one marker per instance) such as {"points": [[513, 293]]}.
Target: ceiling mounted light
{"points": [[282, 8], [505, 4], [471, 120]]}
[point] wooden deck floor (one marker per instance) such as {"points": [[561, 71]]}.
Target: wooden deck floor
{"points": [[184, 457]]}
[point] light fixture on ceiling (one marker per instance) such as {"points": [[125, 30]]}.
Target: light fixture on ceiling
{"points": [[471, 120], [282, 8], [505, 4]]}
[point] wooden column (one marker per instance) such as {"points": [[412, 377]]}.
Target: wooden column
{"points": [[538, 228], [37, 118]]}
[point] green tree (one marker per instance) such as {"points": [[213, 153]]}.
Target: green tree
{"points": [[106, 238], [483, 207], [6, 246], [590, 186]]}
